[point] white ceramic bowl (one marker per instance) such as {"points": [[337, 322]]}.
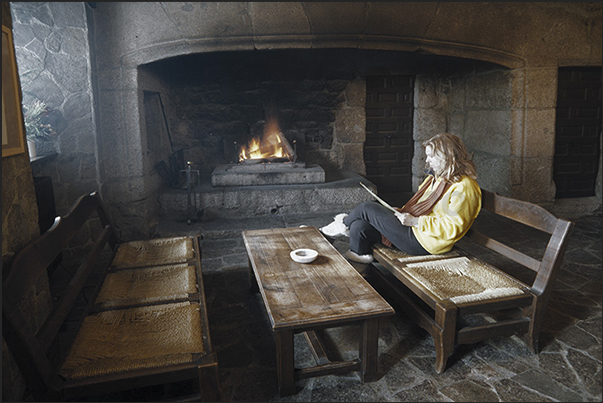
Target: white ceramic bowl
{"points": [[304, 255]]}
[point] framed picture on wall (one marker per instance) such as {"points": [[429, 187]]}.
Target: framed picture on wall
{"points": [[13, 136]]}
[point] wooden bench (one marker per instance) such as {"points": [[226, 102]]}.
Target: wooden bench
{"points": [[145, 323], [460, 299]]}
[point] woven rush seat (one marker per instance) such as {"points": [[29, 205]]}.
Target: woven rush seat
{"points": [[137, 338], [451, 276], [147, 285], [154, 252], [464, 279], [396, 254]]}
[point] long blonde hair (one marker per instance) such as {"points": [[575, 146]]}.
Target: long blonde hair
{"points": [[453, 151]]}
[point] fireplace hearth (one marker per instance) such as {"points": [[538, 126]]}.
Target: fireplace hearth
{"points": [[339, 192], [272, 173]]}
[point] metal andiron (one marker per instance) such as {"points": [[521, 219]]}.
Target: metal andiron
{"points": [[192, 179]]}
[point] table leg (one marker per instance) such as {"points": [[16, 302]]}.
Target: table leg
{"points": [[253, 284], [369, 350], [284, 362]]}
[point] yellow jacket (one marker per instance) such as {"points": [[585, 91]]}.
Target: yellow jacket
{"points": [[451, 217]]}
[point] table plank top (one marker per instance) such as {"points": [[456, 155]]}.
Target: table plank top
{"points": [[326, 291]]}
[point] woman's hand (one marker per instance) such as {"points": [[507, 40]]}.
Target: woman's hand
{"points": [[407, 219]]}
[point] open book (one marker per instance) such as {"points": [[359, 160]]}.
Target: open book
{"points": [[380, 200]]}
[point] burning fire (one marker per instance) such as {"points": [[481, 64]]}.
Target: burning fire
{"points": [[272, 146]]}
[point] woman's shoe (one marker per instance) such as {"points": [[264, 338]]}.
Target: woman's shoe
{"points": [[354, 257], [337, 227]]}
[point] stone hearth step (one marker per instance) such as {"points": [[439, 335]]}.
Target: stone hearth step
{"points": [[340, 192], [266, 174]]}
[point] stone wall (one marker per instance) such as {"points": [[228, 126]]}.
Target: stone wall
{"points": [[506, 119], [350, 129], [19, 227], [481, 106], [431, 104], [54, 54]]}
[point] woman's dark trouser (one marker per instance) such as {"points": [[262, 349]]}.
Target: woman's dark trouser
{"points": [[369, 220]]}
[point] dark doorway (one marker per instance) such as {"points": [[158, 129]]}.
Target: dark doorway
{"points": [[389, 146], [578, 131]]}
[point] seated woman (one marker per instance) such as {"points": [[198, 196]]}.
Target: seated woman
{"points": [[432, 221]]}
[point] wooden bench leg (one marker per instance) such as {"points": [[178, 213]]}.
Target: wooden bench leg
{"points": [[284, 362], [369, 350], [445, 318], [210, 384], [533, 333]]}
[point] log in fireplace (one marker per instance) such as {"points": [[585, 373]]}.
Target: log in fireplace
{"points": [[269, 159]]}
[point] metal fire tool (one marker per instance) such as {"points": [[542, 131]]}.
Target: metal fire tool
{"points": [[294, 150], [192, 176]]}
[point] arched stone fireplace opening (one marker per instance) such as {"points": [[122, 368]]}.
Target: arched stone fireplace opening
{"points": [[206, 105]]}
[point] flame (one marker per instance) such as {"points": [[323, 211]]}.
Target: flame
{"points": [[272, 145]]}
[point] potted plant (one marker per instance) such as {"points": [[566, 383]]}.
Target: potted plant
{"points": [[37, 128]]}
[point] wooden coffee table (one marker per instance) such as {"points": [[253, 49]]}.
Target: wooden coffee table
{"points": [[312, 297]]}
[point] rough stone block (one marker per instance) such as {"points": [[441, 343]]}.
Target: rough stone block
{"points": [[86, 142], [517, 131], [537, 185], [427, 123], [426, 92], [489, 131], [493, 172], [265, 174], [385, 17], [350, 125], [457, 124], [540, 133], [356, 93], [326, 17], [515, 170], [541, 91], [268, 19], [354, 158], [457, 96], [212, 19], [340, 194], [230, 198], [518, 88], [124, 190], [489, 91]]}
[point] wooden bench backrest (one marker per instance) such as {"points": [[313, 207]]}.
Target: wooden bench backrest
{"points": [[30, 349], [534, 216]]}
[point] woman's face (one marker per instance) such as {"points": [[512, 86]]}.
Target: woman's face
{"points": [[435, 162]]}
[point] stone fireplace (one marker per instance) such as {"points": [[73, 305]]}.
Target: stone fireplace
{"points": [[139, 82], [215, 106], [217, 103], [312, 101]]}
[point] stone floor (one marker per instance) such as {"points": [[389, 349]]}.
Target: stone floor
{"points": [[568, 367]]}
